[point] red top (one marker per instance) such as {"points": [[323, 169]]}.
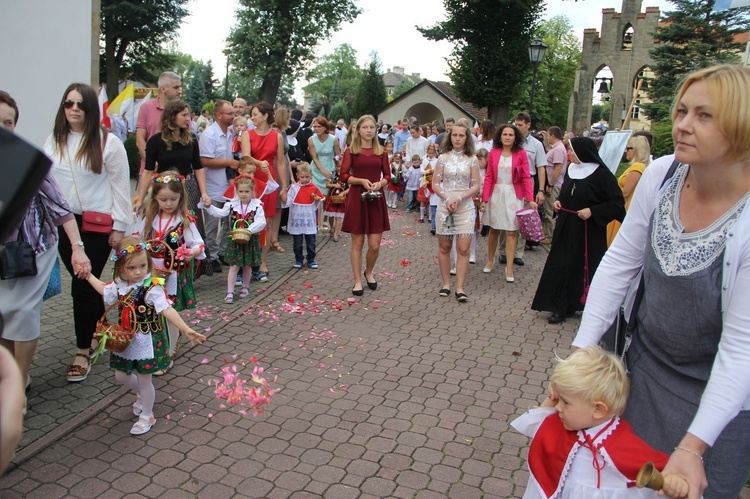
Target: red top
{"points": [[264, 148], [363, 216], [521, 177]]}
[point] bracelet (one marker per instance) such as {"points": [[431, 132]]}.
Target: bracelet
{"points": [[689, 451]]}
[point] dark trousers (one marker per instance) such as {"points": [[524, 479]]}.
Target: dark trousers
{"points": [[309, 242], [411, 200], [88, 305]]}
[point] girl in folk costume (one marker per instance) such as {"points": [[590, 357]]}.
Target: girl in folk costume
{"points": [[425, 185], [169, 223], [580, 446], [395, 187], [302, 200], [246, 212], [334, 206], [142, 301], [247, 167]]}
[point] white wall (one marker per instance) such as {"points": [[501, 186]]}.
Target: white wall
{"points": [[45, 45]]}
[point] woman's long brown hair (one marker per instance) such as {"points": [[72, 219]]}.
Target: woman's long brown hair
{"points": [[91, 151]]}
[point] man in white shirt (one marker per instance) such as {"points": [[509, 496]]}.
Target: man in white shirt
{"points": [[216, 155], [341, 134], [416, 144]]}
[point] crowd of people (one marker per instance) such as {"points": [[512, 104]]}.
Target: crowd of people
{"points": [[217, 191]]}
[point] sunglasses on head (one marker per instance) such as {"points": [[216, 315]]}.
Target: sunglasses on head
{"points": [[68, 104]]}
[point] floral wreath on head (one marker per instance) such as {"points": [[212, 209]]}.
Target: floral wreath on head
{"points": [[133, 248], [242, 175], [165, 179]]}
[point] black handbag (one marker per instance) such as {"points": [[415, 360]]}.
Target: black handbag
{"points": [[619, 336], [17, 259]]}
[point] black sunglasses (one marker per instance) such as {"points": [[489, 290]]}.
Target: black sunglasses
{"points": [[68, 104], [628, 148]]}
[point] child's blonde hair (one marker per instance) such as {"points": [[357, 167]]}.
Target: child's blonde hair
{"points": [[172, 180], [595, 375], [246, 165], [245, 180], [482, 153], [400, 159], [304, 167], [239, 119], [132, 245]]}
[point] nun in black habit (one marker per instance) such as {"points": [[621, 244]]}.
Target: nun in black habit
{"points": [[589, 199]]}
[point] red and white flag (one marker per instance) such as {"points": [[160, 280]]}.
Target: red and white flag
{"points": [[103, 105]]}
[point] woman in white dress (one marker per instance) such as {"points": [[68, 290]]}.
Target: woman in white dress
{"points": [[507, 184]]}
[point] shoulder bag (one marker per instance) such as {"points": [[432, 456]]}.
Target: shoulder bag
{"points": [[17, 258], [92, 222]]}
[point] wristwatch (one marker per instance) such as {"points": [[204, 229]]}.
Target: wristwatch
{"points": [[77, 243]]}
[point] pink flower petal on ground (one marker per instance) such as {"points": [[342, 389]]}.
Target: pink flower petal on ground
{"points": [[204, 361], [208, 330], [169, 418], [210, 415]]}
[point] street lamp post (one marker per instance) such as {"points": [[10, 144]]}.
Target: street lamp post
{"points": [[536, 54]]}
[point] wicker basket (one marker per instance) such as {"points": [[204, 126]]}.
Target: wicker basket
{"points": [[338, 198], [113, 336], [240, 235], [157, 246]]}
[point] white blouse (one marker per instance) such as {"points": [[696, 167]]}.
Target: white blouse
{"points": [[107, 192]]}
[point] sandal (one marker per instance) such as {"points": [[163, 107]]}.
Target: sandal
{"points": [[444, 292], [245, 292], [277, 247], [229, 298], [462, 297], [75, 373], [143, 425], [162, 372], [137, 407]]}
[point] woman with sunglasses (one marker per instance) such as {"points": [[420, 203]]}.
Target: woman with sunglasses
{"points": [[91, 168]]}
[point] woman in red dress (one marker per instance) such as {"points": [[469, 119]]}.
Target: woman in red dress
{"points": [[266, 147], [365, 168]]}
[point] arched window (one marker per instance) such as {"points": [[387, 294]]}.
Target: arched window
{"points": [[627, 37]]}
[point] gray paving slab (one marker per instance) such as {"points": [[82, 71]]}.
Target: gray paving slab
{"points": [[399, 393]]}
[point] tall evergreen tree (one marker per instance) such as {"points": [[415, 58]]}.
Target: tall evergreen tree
{"points": [[491, 42], [199, 84], [371, 94], [690, 38], [132, 32], [277, 38]]}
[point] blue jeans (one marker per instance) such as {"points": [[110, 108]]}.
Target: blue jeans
{"points": [[433, 214], [309, 242], [411, 200]]}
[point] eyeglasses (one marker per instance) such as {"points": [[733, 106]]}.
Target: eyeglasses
{"points": [[68, 104], [628, 148]]}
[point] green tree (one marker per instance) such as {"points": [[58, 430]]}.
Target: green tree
{"points": [[596, 113], [335, 76], [371, 94], [199, 84], [690, 38], [662, 138], [491, 49], [274, 38], [133, 32], [339, 111], [405, 85], [555, 77]]}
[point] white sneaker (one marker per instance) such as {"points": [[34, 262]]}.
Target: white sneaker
{"points": [[472, 259], [453, 271]]}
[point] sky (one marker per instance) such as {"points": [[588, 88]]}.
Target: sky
{"points": [[387, 26]]}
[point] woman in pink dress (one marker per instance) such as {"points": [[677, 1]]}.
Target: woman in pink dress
{"points": [[266, 147], [365, 168]]}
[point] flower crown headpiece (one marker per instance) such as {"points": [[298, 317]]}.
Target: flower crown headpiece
{"points": [[242, 175], [133, 248], [165, 179]]}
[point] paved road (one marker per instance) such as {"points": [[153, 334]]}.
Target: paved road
{"points": [[399, 393]]}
